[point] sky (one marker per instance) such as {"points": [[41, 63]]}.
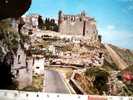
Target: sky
{"points": [[114, 17]]}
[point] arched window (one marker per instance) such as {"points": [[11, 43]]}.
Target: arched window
{"points": [[18, 59], [80, 19], [71, 18]]}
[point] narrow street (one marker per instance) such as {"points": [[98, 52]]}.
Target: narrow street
{"points": [[54, 83]]}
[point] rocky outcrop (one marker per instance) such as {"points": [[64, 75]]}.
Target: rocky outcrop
{"points": [[10, 43], [7, 50]]}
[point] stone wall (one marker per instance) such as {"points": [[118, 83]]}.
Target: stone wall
{"points": [[22, 68], [24, 76], [69, 28], [77, 25]]}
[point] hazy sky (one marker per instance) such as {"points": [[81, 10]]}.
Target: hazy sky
{"points": [[114, 17]]}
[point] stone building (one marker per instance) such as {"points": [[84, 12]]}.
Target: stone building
{"points": [[31, 20], [31, 23], [38, 66], [22, 68], [77, 25]]}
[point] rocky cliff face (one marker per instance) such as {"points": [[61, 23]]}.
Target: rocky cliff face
{"points": [[9, 41]]}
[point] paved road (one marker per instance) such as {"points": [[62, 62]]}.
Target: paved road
{"points": [[54, 83]]}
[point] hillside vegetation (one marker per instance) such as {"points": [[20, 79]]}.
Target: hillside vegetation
{"points": [[125, 54]]}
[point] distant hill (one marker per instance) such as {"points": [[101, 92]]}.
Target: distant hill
{"points": [[125, 54]]}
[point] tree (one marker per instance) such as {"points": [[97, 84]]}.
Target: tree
{"points": [[51, 25], [46, 21], [100, 77], [100, 38], [40, 22]]}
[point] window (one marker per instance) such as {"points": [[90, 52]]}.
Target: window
{"points": [[37, 67], [71, 18], [18, 59], [80, 19], [17, 72]]}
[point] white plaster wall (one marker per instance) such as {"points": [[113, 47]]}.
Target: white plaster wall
{"points": [[22, 72], [25, 76], [40, 64]]}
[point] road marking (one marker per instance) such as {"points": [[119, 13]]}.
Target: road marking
{"points": [[62, 78], [44, 83], [65, 83]]}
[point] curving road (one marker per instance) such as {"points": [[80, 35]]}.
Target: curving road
{"points": [[54, 83]]}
